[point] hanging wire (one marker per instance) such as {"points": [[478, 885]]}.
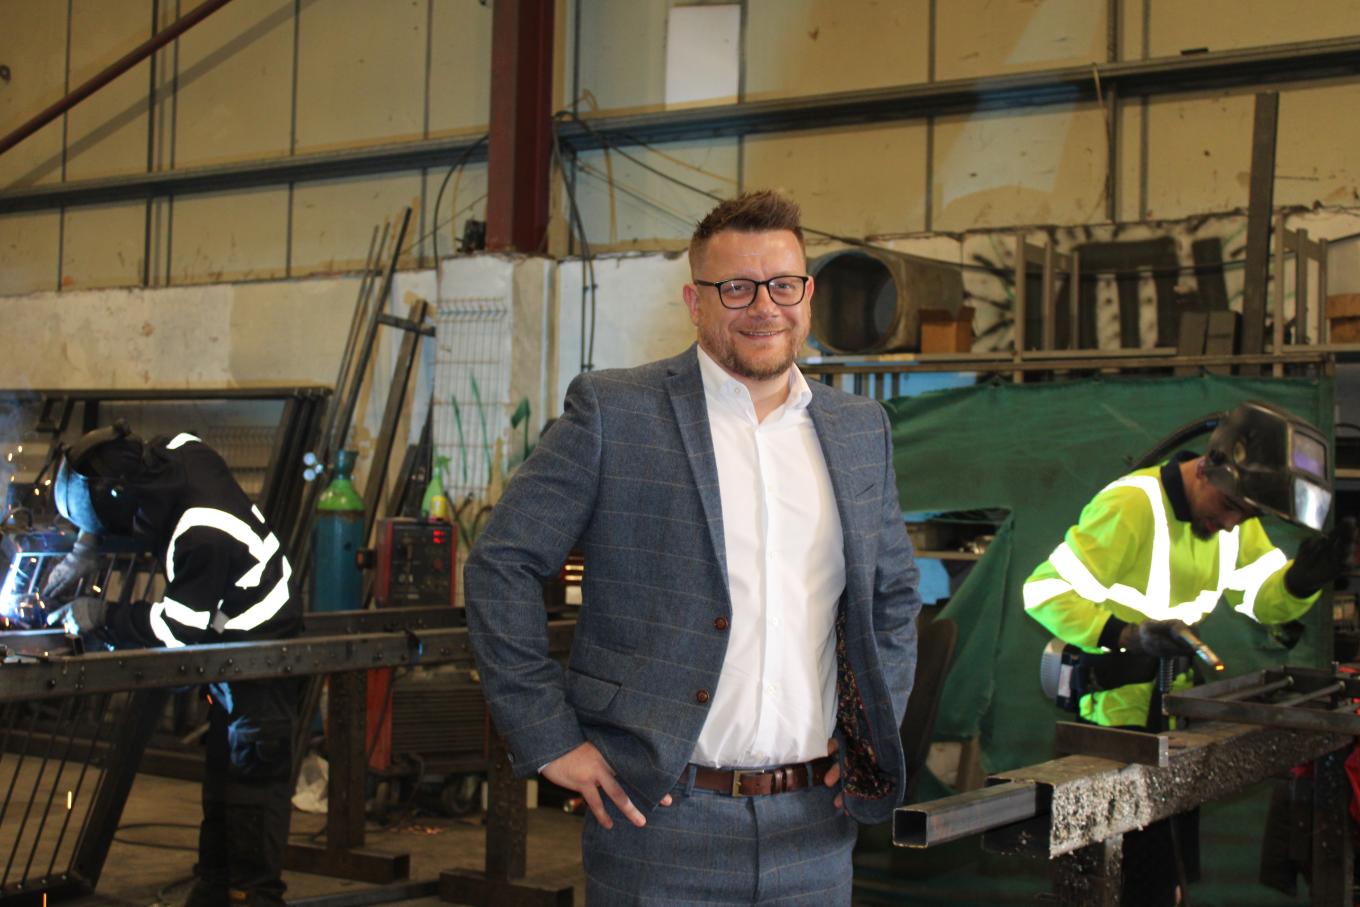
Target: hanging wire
{"points": [[588, 283], [569, 116]]}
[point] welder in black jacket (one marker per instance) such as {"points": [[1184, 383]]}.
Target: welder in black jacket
{"points": [[226, 581]]}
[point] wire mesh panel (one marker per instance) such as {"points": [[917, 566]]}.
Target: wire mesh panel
{"points": [[471, 390]]}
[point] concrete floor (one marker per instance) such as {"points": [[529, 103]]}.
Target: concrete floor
{"points": [[153, 853]]}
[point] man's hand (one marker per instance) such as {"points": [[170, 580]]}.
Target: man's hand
{"points": [[83, 615], [81, 562], [833, 774], [1321, 559], [585, 771], [1159, 638]]}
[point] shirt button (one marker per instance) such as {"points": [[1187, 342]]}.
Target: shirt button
{"points": [[701, 697], [771, 689], [774, 621], [720, 623]]}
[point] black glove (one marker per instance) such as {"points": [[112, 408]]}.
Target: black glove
{"points": [[65, 577], [83, 615], [1321, 559], [1158, 638]]}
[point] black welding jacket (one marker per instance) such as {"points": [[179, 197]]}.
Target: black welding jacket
{"points": [[227, 578]]}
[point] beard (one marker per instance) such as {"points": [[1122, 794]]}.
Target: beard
{"points": [[754, 365]]}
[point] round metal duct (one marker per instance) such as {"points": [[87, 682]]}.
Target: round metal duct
{"points": [[870, 301]]}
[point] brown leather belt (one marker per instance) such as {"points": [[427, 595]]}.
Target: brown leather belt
{"points": [[757, 783]]}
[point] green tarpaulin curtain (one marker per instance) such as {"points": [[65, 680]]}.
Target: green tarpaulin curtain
{"points": [[1041, 451]]}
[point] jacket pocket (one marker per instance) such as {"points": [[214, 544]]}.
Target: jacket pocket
{"points": [[588, 693]]}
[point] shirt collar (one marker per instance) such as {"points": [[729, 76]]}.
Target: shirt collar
{"points": [[722, 386]]}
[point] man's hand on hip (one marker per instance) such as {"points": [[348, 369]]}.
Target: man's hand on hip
{"points": [[585, 771], [833, 774]]}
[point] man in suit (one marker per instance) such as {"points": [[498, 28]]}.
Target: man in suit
{"points": [[746, 645]]}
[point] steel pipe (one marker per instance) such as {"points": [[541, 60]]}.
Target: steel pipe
{"points": [[112, 71]]}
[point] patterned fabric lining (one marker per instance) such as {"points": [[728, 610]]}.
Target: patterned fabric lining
{"points": [[863, 776]]}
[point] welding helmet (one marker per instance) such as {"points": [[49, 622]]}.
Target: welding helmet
{"points": [[1273, 461], [92, 487]]}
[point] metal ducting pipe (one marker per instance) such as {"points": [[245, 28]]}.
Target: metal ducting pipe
{"points": [[870, 300]]}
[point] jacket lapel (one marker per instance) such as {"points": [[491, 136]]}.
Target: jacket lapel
{"points": [[839, 459], [685, 385]]}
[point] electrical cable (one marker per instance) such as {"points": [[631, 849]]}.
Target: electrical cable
{"points": [[567, 115], [439, 196], [587, 347]]}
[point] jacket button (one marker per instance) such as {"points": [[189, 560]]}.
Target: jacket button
{"points": [[701, 697], [720, 623]]}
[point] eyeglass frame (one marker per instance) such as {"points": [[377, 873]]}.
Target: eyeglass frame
{"points": [[755, 294]]}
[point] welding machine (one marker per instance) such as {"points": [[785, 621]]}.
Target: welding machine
{"points": [[417, 563]]}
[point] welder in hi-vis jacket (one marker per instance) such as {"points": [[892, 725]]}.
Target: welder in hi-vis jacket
{"points": [[226, 581], [1155, 550]]}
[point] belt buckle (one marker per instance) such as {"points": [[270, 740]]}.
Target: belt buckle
{"points": [[736, 783]]}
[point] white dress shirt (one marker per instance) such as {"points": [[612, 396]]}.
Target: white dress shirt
{"points": [[776, 698]]}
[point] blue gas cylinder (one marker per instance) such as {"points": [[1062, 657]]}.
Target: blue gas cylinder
{"points": [[336, 540]]}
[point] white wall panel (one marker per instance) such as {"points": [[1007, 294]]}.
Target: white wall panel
{"points": [[460, 66], [29, 246], [37, 67], [994, 37], [1034, 168], [803, 47], [229, 236], [107, 133], [235, 84], [856, 182], [361, 73], [623, 54], [333, 220], [1230, 24], [103, 245]]}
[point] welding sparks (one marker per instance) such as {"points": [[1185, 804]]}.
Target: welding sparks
{"points": [[70, 798], [96, 589]]}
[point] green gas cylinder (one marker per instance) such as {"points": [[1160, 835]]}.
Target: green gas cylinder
{"points": [[336, 540]]}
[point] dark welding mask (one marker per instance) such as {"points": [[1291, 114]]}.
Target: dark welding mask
{"points": [[1273, 461], [92, 487]]}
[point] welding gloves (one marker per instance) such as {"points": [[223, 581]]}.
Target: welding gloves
{"points": [[1320, 560], [65, 577], [1158, 638], [83, 615]]}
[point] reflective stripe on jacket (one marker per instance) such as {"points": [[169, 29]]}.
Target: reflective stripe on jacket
{"points": [[1129, 557]]}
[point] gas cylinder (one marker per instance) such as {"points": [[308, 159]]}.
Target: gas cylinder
{"points": [[336, 541]]}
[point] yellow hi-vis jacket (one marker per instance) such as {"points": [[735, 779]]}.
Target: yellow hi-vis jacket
{"points": [[1130, 558]]}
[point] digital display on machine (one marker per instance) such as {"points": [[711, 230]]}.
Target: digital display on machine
{"points": [[1310, 455]]}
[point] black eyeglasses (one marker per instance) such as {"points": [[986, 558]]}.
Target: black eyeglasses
{"points": [[740, 292]]}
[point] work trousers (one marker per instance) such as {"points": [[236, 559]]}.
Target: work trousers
{"points": [[712, 849], [247, 794]]}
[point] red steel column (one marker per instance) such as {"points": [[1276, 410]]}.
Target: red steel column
{"points": [[519, 153]]}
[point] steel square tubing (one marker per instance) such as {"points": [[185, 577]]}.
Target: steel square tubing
{"points": [[948, 819], [143, 669], [316, 623]]}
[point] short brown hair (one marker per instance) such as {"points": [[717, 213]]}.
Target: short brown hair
{"points": [[761, 211]]}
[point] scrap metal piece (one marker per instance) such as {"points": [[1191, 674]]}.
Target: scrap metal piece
{"points": [[1093, 799], [1137, 747], [1316, 700]]}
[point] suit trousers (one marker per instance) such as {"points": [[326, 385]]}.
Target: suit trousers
{"points": [[710, 848]]}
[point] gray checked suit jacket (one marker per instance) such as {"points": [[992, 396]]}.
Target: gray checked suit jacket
{"points": [[628, 475]]}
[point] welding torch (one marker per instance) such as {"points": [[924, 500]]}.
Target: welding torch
{"points": [[1202, 651]]}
